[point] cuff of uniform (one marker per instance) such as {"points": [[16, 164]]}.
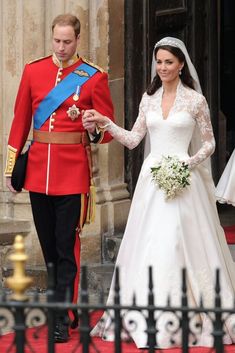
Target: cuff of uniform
{"points": [[97, 136], [10, 161]]}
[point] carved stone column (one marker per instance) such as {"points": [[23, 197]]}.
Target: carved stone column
{"points": [[101, 240]]}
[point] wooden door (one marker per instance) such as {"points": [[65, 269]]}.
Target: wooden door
{"points": [[146, 22], [227, 70]]}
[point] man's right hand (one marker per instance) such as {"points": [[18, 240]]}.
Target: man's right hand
{"points": [[8, 184]]}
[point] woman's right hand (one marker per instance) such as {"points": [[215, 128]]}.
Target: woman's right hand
{"points": [[92, 116]]}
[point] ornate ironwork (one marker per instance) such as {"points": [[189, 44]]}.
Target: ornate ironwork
{"points": [[28, 321], [35, 319]]}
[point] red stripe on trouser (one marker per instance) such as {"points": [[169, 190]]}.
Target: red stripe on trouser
{"points": [[77, 253]]}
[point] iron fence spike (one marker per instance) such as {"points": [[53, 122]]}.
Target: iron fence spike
{"points": [[168, 300], [67, 295], [36, 296], [117, 279], [184, 284], [217, 281], [150, 278], [101, 299], [84, 286], [201, 301], [134, 299], [51, 276]]}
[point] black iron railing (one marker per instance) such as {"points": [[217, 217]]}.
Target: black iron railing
{"points": [[39, 317]]}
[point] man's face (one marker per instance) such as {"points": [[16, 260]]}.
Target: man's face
{"points": [[64, 42]]}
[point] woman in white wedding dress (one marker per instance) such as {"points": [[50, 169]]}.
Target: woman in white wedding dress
{"points": [[183, 232]]}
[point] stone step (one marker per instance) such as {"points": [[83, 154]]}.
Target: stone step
{"points": [[9, 228], [98, 276]]}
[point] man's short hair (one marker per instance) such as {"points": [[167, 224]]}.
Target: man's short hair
{"points": [[67, 20]]}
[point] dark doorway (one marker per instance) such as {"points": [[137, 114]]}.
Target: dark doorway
{"points": [[227, 71], [147, 21]]}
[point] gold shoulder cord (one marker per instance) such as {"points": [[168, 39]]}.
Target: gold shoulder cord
{"points": [[38, 59], [92, 64]]}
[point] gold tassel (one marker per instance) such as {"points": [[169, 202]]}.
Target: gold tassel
{"points": [[82, 215], [91, 207], [91, 202]]}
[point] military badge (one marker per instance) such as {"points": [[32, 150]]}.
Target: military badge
{"points": [[81, 73], [73, 112]]}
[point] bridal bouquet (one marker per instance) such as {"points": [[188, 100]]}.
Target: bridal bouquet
{"points": [[171, 175]]}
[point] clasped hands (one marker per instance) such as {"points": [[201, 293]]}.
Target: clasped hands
{"points": [[91, 119]]}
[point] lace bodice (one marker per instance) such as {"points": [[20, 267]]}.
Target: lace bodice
{"points": [[171, 136]]}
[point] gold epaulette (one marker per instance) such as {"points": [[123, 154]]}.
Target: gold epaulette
{"points": [[38, 59], [10, 161], [92, 64]]}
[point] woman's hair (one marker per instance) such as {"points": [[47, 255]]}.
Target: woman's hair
{"points": [[67, 20], [186, 78]]}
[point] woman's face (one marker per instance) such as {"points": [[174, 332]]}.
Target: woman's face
{"points": [[168, 66]]}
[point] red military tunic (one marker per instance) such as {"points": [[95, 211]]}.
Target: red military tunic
{"points": [[55, 169]]}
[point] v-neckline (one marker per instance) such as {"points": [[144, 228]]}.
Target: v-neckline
{"points": [[173, 105]]}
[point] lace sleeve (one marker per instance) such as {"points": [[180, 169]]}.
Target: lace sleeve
{"points": [[203, 121], [132, 138]]}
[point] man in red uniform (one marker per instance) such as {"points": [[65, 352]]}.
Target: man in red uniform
{"points": [[53, 93]]}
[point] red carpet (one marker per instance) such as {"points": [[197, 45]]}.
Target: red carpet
{"points": [[230, 234], [39, 344]]}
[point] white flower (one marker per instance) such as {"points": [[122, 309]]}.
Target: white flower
{"points": [[171, 175]]}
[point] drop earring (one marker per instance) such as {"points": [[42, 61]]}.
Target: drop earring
{"points": [[180, 72]]}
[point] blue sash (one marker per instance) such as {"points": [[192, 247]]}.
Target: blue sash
{"points": [[61, 92]]}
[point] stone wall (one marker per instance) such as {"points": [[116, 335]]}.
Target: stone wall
{"points": [[25, 35]]}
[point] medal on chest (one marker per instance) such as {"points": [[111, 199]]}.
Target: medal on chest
{"points": [[76, 94]]}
